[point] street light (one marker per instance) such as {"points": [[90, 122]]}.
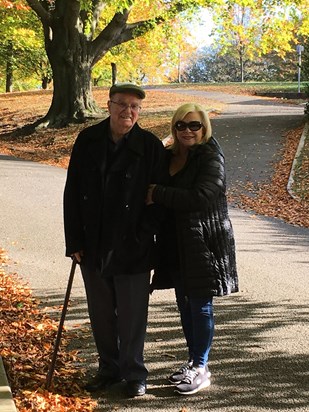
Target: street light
{"points": [[299, 50]]}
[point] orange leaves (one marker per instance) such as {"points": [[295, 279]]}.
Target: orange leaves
{"points": [[273, 199], [18, 5], [42, 400], [6, 4], [26, 346]]}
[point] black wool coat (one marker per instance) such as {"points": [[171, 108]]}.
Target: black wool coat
{"points": [[92, 188], [204, 236]]}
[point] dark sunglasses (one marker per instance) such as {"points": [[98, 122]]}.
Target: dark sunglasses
{"points": [[193, 126]]}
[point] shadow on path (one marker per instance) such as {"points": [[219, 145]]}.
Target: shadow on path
{"points": [[253, 361]]}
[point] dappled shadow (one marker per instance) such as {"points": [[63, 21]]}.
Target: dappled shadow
{"points": [[255, 361], [248, 361], [12, 158]]}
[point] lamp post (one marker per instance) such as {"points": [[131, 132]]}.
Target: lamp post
{"points": [[299, 50]]}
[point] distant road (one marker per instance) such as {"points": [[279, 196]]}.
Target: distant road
{"points": [[250, 131]]}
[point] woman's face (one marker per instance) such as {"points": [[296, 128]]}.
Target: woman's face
{"points": [[189, 137]]}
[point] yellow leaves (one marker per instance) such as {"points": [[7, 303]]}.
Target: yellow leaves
{"points": [[263, 26]]}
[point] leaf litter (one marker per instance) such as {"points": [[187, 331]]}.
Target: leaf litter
{"points": [[273, 199], [26, 347]]}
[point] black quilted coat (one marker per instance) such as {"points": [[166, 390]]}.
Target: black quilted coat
{"points": [[204, 238]]}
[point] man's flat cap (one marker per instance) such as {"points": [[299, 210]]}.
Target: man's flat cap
{"points": [[127, 88]]}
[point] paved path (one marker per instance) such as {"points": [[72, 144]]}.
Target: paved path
{"points": [[260, 356]]}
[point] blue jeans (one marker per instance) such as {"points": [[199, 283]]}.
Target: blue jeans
{"points": [[198, 325]]}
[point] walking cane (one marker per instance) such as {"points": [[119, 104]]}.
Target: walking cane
{"points": [[60, 327]]}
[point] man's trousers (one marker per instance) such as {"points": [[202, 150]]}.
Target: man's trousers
{"points": [[118, 310]]}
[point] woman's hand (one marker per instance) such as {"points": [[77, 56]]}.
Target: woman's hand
{"points": [[149, 200]]}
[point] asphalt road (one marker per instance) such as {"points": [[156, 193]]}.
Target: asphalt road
{"points": [[260, 356]]}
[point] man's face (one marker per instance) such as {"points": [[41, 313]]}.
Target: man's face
{"points": [[124, 111]]}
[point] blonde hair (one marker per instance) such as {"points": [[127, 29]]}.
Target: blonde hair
{"points": [[181, 113]]}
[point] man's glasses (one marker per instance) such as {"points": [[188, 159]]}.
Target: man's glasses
{"points": [[134, 106], [193, 126]]}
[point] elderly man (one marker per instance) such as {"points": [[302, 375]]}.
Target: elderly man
{"points": [[111, 232]]}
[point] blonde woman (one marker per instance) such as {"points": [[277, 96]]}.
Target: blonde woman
{"points": [[196, 246]]}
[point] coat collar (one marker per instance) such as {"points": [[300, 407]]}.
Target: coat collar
{"points": [[99, 135]]}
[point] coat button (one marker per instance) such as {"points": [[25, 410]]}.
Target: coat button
{"points": [[127, 207]]}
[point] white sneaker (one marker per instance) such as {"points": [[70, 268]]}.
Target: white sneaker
{"points": [[193, 382]]}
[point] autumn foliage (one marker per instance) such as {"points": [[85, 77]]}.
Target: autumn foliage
{"points": [[26, 346], [18, 5]]}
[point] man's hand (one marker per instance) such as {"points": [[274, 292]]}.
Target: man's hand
{"points": [[149, 200], [78, 256]]}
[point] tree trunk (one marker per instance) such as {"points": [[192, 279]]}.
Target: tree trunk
{"points": [[241, 64], [71, 63], [72, 97], [114, 73], [179, 68], [241, 70], [45, 82], [9, 68]]}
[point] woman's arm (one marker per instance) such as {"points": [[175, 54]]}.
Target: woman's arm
{"points": [[209, 183]]}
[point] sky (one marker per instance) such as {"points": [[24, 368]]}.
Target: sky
{"points": [[201, 29]]}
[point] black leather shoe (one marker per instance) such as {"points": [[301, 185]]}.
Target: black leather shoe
{"points": [[136, 388], [101, 382]]}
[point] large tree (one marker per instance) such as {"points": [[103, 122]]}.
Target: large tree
{"points": [[78, 34]]}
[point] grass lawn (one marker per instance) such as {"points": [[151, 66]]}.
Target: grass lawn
{"points": [[249, 87]]}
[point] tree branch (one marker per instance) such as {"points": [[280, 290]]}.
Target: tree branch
{"points": [[118, 31], [41, 12], [98, 7], [138, 29], [109, 35]]}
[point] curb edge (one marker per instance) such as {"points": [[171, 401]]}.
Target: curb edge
{"points": [[298, 152], [6, 398]]}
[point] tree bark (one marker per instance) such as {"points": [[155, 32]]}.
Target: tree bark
{"points": [[72, 96], [45, 81], [71, 62], [9, 68], [114, 73]]}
